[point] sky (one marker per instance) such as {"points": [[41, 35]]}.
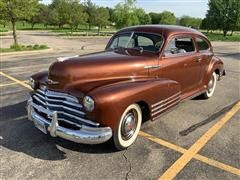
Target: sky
{"points": [[194, 8]]}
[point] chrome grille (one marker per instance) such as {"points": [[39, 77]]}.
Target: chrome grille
{"points": [[67, 106]]}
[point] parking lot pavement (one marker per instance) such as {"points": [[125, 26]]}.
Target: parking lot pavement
{"points": [[27, 153]]}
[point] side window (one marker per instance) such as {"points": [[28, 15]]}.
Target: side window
{"points": [[202, 44], [179, 45], [120, 41], [144, 41]]}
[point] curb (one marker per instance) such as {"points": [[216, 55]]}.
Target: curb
{"points": [[26, 52]]}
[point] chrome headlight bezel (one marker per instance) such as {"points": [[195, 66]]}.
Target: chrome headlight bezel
{"points": [[88, 103], [32, 83]]}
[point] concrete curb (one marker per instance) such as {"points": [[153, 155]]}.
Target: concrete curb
{"points": [[26, 52]]}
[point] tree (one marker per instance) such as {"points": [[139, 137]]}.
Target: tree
{"points": [[155, 17], [101, 18], [143, 18], [91, 10], [41, 16], [190, 22], [61, 9], [125, 14], [76, 15], [111, 14], [224, 14], [167, 18], [15, 10]]}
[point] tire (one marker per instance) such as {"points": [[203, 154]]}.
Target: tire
{"points": [[128, 127], [211, 86]]}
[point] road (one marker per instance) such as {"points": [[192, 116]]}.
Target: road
{"points": [[26, 153]]}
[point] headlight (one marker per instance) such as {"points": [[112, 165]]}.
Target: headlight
{"points": [[88, 103], [32, 83]]}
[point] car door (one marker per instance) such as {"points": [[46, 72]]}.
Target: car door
{"points": [[205, 54], [180, 62]]}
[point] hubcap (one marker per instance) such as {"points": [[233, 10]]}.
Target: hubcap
{"points": [[129, 124]]}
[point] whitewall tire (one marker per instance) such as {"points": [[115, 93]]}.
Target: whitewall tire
{"points": [[211, 86], [128, 127]]}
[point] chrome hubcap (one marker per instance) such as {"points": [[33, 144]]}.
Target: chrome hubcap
{"points": [[129, 124]]}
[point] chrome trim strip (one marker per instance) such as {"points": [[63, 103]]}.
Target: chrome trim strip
{"points": [[162, 101], [43, 103], [152, 67], [166, 103], [170, 105], [59, 106], [57, 95], [49, 112], [86, 134], [73, 104]]}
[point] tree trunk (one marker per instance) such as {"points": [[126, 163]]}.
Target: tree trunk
{"points": [[33, 25], [224, 33], [232, 33], [99, 29], [14, 32]]}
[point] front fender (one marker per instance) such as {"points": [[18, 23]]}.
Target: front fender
{"points": [[112, 100], [40, 77]]}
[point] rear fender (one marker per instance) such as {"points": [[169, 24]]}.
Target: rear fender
{"points": [[216, 65], [112, 100]]}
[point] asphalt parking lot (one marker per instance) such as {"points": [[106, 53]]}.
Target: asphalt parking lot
{"points": [[199, 139]]}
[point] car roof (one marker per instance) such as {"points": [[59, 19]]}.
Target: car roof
{"points": [[165, 30]]}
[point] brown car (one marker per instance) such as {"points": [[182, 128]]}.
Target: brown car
{"points": [[143, 72]]}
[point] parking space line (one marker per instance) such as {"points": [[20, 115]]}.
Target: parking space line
{"points": [[160, 141], [198, 145], [10, 84], [199, 157], [15, 80]]}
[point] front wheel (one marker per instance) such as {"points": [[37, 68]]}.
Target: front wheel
{"points": [[211, 86], [128, 127]]}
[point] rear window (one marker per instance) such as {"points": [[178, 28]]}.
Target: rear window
{"points": [[180, 45], [202, 44]]}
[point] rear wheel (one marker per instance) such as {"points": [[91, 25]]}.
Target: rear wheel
{"points": [[128, 127], [211, 86]]}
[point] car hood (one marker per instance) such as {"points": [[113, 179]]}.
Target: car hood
{"points": [[84, 73]]}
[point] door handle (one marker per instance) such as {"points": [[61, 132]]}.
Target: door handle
{"points": [[198, 60], [152, 67]]}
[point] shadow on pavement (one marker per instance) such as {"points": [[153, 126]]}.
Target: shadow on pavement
{"points": [[19, 134]]}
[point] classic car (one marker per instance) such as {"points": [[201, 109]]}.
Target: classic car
{"points": [[143, 72]]}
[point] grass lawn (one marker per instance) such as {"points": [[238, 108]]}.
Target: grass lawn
{"points": [[23, 48], [83, 31], [218, 36]]}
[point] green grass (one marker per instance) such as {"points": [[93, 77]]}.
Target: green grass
{"points": [[14, 48], [84, 34], [218, 36]]}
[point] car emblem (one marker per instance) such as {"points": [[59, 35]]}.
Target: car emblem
{"points": [[51, 82]]}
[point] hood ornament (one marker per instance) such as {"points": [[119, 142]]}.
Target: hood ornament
{"points": [[51, 82], [61, 59]]}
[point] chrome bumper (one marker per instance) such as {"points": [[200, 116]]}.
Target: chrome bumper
{"points": [[86, 134]]}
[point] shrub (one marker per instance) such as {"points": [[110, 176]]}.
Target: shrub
{"points": [[16, 47], [43, 47], [36, 46]]}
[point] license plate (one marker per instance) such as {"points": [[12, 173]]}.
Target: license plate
{"points": [[40, 126]]}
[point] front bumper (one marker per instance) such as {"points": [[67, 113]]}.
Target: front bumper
{"points": [[85, 135]]}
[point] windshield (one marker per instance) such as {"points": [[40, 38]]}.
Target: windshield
{"points": [[145, 41]]}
